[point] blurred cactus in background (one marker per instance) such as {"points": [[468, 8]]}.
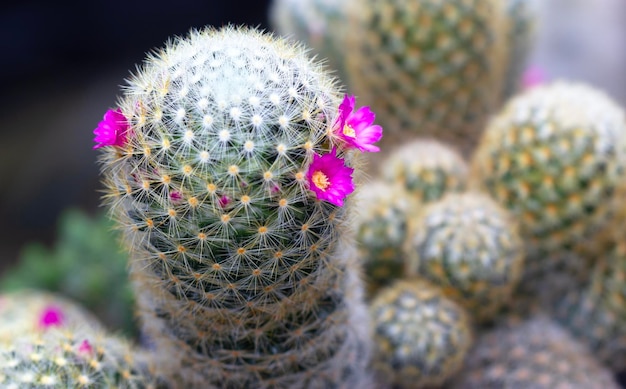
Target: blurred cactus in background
{"points": [[229, 189], [85, 264], [535, 353], [421, 337], [468, 245]]}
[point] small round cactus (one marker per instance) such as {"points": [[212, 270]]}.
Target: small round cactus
{"points": [[32, 312], [232, 184], [468, 245], [66, 358], [381, 231], [427, 169], [536, 354], [554, 157], [420, 336], [429, 68]]}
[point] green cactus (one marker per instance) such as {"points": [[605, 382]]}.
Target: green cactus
{"points": [[430, 67], [427, 169], [468, 245], [84, 265], [381, 230], [320, 24], [554, 157], [420, 336], [32, 311], [74, 359], [243, 277], [536, 354]]}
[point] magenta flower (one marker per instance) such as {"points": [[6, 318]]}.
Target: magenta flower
{"points": [[51, 316], [112, 131], [356, 128], [533, 76], [85, 347], [329, 178]]}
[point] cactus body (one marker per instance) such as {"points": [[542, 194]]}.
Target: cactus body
{"points": [[468, 245], [533, 354], [554, 157], [381, 230], [427, 169], [421, 337], [428, 68], [73, 359], [244, 278]]}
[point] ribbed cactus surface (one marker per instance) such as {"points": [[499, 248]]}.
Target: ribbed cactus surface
{"points": [[242, 273], [431, 67], [554, 157], [536, 354], [469, 245], [427, 169], [420, 336]]}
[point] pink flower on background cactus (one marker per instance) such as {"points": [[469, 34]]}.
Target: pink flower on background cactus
{"points": [[112, 131], [329, 178], [355, 128], [85, 347], [533, 76], [51, 316]]}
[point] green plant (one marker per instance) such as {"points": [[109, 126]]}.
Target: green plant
{"points": [[231, 156]]}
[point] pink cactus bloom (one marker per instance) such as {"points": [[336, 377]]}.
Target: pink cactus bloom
{"points": [[533, 76], [329, 178], [176, 196], [112, 131], [355, 128], [51, 316], [85, 347]]}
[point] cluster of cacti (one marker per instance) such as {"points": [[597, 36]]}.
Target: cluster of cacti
{"points": [[427, 169], [83, 264], [421, 337], [534, 354], [468, 245], [229, 183]]}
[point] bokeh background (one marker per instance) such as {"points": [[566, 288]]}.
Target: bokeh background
{"points": [[62, 65]]}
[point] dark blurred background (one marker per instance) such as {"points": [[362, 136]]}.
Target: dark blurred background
{"points": [[62, 65]]}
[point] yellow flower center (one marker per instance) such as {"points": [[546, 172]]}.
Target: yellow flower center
{"points": [[320, 180], [349, 131]]}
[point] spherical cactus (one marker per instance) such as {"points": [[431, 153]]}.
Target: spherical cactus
{"points": [[74, 359], [230, 186], [320, 24], [430, 67], [534, 354], [31, 312], [427, 169], [420, 336], [468, 245], [381, 230], [554, 157]]}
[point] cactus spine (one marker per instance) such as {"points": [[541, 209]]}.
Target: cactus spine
{"points": [[243, 277]]}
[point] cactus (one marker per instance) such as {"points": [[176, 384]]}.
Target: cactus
{"points": [[554, 157], [381, 230], [31, 311], [536, 354], [71, 358], [243, 277], [420, 336], [468, 245], [320, 24], [82, 265], [427, 169], [429, 67]]}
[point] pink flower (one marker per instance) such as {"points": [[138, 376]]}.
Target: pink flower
{"points": [[176, 196], [85, 347], [533, 76], [51, 316], [356, 128], [112, 131], [329, 178]]}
